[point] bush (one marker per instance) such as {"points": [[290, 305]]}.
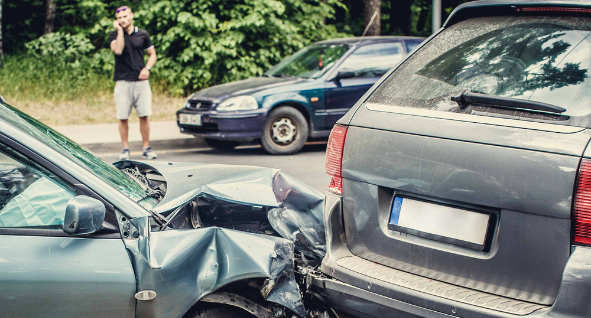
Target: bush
{"points": [[199, 43], [206, 43], [62, 46]]}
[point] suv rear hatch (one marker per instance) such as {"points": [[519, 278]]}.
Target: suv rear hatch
{"points": [[477, 195]]}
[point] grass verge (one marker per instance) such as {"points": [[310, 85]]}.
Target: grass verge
{"points": [[59, 93]]}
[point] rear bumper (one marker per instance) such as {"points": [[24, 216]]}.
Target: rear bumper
{"points": [[237, 126], [366, 291]]}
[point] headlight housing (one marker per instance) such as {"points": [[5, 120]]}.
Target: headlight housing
{"points": [[187, 102], [238, 103]]}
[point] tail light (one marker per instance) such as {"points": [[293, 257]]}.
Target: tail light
{"points": [[334, 158], [582, 206]]}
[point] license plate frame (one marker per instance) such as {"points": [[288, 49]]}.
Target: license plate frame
{"points": [[191, 119], [449, 224]]}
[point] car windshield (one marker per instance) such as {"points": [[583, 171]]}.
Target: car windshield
{"points": [[78, 154], [310, 62], [542, 59]]}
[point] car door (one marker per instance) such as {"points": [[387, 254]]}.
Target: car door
{"points": [[45, 272], [367, 64]]}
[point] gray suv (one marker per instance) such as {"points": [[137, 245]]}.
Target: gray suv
{"points": [[461, 182]]}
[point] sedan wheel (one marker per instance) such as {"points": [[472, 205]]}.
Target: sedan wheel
{"points": [[285, 131]]}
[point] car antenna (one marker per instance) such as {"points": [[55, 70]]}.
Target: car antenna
{"points": [[373, 17]]}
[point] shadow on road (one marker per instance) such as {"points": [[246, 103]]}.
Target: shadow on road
{"points": [[257, 150]]}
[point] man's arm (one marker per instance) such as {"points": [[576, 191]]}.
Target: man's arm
{"points": [[145, 73], [119, 43], [151, 57]]}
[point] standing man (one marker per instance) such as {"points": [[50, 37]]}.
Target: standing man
{"points": [[131, 76]]}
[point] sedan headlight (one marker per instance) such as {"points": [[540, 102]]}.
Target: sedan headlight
{"points": [[238, 103]]}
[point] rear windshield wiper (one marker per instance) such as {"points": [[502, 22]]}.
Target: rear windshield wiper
{"points": [[465, 97]]}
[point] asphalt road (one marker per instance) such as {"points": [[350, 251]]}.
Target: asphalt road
{"points": [[306, 166]]}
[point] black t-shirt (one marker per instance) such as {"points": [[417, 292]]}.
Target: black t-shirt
{"points": [[131, 61]]}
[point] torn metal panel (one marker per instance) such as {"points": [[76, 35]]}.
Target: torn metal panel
{"points": [[182, 266], [299, 215], [294, 210]]}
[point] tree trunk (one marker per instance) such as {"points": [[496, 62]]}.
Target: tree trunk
{"points": [[1, 52], [49, 17], [422, 19], [370, 7], [324, 18], [400, 15]]}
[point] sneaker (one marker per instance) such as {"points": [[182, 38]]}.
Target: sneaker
{"points": [[149, 153], [124, 155]]}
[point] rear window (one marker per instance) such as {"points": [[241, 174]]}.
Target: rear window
{"points": [[544, 59]]}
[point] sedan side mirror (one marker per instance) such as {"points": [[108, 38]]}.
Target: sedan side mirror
{"points": [[344, 74], [84, 215]]}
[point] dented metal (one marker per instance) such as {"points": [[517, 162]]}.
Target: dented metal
{"points": [[198, 250]]}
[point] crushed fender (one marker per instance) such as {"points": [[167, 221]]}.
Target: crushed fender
{"points": [[224, 224]]}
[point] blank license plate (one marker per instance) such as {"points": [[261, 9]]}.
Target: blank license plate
{"points": [[439, 222], [190, 119]]}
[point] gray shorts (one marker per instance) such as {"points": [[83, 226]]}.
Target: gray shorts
{"points": [[136, 94]]}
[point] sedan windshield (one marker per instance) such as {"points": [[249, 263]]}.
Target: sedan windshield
{"points": [[310, 62], [541, 59], [76, 153]]}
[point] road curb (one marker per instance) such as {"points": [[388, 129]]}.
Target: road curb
{"points": [[167, 144]]}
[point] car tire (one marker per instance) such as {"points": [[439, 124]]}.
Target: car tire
{"points": [[220, 312], [223, 145], [285, 131]]}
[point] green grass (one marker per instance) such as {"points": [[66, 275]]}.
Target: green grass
{"points": [[60, 93]]}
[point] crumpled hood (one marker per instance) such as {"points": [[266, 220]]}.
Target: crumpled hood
{"points": [[296, 212], [238, 184], [247, 86], [183, 265]]}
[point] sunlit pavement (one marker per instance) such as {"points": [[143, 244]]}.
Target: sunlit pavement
{"points": [[307, 166]]}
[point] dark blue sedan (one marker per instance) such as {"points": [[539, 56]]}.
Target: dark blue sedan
{"points": [[301, 97]]}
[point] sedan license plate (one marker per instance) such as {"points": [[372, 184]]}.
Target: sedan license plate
{"points": [[190, 119], [439, 222]]}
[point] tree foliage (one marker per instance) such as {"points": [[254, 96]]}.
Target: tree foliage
{"points": [[199, 42]]}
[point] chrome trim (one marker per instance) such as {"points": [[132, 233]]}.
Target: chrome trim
{"points": [[233, 116]]}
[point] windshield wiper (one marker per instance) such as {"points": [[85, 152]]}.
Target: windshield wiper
{"points": [[465, 97], [282, 75]]}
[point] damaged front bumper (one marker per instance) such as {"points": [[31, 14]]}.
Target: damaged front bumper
{"points": [[224, 224]]}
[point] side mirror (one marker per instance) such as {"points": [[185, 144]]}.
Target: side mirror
{"points": [[84, 215], [2, 99], [344, 74]]}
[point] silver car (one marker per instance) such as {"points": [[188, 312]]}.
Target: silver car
{"points": [[461, 182], [80, 237]]}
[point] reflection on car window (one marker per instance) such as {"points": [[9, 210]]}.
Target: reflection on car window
{"points": [[30, 196], [514, 62], [373, 60], [538, 61], [74, 152], [310, 62], [412, 45]]}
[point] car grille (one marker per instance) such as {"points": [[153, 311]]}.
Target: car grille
{"points": [[202, 105]]}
